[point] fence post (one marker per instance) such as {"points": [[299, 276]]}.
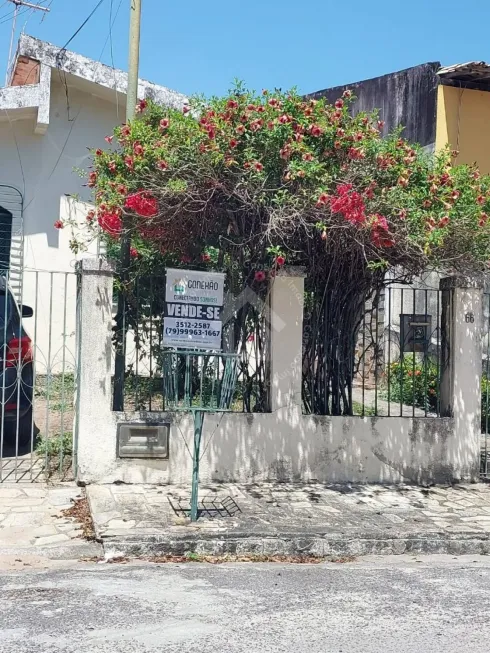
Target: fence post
{"points": [[286, 324], [94, 310], [461, 366]]}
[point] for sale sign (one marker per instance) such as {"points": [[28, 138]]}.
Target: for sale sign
{"points": [[193, 304]]}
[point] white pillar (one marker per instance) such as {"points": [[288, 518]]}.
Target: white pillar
{"points": [[461, 366], [286, 324], [94, 393]]}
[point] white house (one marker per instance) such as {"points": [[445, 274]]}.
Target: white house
{"points": [[57, 105]]}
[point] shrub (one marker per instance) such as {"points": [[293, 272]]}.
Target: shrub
{"points": [[414, 383]]}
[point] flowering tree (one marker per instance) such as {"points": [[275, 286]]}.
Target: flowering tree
{"points": [[247, 183]]}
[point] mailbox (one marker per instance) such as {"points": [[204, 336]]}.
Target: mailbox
{"points": [[415, 332]]}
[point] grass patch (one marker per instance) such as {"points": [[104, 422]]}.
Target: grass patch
{"points": [[55, 446]]}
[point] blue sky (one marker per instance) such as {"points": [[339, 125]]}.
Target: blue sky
{"points": [[200, 47]]}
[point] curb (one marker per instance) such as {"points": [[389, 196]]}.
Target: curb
{"points": [[69, 551], [307, 545]]}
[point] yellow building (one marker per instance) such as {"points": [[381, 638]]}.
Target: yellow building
{"points": [[463, 112]]}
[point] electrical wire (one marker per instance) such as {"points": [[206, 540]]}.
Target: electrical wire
{"points": [[82, 25]]}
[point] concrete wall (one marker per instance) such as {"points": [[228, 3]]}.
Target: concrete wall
{"points": [[463, 117], [284, 444]]}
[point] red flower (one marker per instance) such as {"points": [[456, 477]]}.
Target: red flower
{"points": [[58, 224], [232, 104], [240, 130], [285, 152], [111, 223], [129, 162], [273, 102], [251, 107], [121, 189], [339, 104], [141, 106], [355, 153], [308, 156], [90, 215], [259, 276], [98, 152], [125, 131], [347, 93], [211, 133], [381, 124], [247, 165], [349, 203], [280, 260], [138, 149], [112, 166], [109, 139], [444, 221], [270, 124], [323, 199], [162, 165], [284, 119], [258, 166], [455, 194], [164, 123], [315, 130], [233, 142], [340, 132], [260, 109], [133, 252], [206, 257], [480, 199], [403, 214], [256, 124], [92, 179], [143, 204], [185, 109]]}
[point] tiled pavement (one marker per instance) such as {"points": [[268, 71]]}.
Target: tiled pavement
{"points": [[288, 518], [31, 522]]}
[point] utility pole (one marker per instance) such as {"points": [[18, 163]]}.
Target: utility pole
{"points": [[19, 3], [131, 100]]}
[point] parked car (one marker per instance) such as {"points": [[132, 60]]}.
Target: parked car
{"points": [[16, 370]]}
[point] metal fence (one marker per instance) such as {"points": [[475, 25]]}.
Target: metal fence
{"points": [[393, 368], [38, 375], [140, 382], [485, 391]]}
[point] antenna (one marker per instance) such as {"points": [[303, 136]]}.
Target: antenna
{"points": [[19, 3]]}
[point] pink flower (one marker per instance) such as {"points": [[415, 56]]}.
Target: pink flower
{"points": [[251, 107], [141, 106], [205, 257], [347, 93], [315, 130], [323, 199], [58, 224], [233, 143], [280, 260], [133, 252], [162, 165], [109, 139], [455, 194], [258, 166], [284, 119], [444, 221], [121, 189], [381, 124], [240, 130], [125, 131], [273, 102], [129, 162], [90, 216], [138, 149], [92, 179], [339, 104], [98, 152], [308, 156], [112, 166], [232, 104], [256, 124], [164, 123], [259, 276], [185, 109]]}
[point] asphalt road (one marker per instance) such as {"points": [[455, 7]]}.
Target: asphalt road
{"points": [[385, 605]]}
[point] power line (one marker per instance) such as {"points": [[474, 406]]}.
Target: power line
{"points": [[82, 25]]}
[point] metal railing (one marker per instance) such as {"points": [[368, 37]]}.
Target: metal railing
{"points": [[485, 391], [394, 367], [38, 374]]}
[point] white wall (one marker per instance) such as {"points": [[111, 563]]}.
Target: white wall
{"points": [[45, 176]]}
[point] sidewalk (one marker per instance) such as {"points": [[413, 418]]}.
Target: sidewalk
{"points": [[32, 524], [282, 518]]}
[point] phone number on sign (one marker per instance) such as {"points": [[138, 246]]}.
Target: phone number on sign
{"points": [[210, 333]]}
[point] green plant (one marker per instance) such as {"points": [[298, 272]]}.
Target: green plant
{"points": [[414, 382], [55, 446]]}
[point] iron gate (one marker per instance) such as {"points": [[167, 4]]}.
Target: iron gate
{"points": [[38, 376], [485, 391]]}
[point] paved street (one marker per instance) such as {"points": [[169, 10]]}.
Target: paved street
{"points": [[391, 604]]}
